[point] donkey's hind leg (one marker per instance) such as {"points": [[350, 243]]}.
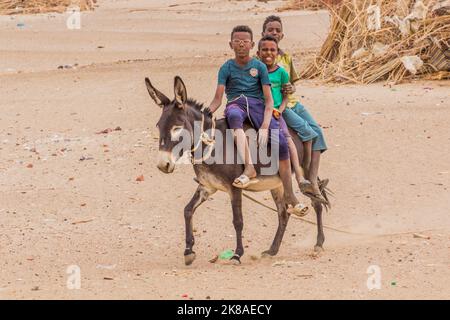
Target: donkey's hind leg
{"points": [[283, 218], [320, 235], [200, 196]]}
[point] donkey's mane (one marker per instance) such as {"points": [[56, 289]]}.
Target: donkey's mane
{"points": [[194, 104]]}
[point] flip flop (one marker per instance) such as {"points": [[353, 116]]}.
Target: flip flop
{"points": [[300, 210], [243, 181]]}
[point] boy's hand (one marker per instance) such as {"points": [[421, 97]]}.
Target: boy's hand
{"points": [[263, 134], [288, 88], [208, 112], [277, 113]]}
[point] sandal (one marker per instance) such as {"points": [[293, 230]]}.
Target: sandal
{"points": [[300, 210], [243, 181]]}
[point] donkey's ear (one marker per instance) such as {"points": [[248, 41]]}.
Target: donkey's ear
{"points": [[159, 98], [180, 91]]}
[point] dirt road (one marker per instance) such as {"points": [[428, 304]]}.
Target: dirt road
{"points": [[69, 196]]}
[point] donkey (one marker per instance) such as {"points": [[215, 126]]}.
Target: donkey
{"points": [[182, 113]]}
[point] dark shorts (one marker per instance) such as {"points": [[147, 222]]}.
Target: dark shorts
{"points": [[236, 114]]}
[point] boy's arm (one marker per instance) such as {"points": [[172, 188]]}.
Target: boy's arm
{"points": [[217, 101], [263, 132], [293, 75], [293, 78], [268, 106], [289, 88], [283, 103], [285, 80]]}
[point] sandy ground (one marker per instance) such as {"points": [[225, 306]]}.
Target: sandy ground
{"points": [[387, 161]]}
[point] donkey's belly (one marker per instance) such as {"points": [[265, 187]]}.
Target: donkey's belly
{"points": [[219, 181], [265, 183], [212, 181]]}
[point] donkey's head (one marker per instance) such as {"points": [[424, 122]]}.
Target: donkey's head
{"points": [[172, 124]]}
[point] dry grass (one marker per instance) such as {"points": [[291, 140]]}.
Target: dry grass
{"points": [[8, 7], [349, 54], [307, 4]]}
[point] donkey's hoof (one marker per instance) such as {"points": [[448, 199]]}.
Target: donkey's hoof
{"points": [[318, 249], [236, 260], [267, 254], [189, 258]]}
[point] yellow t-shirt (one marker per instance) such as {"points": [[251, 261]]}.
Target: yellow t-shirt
{"points": [[285, 61]]}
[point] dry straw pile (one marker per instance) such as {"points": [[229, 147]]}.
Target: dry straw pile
{"points": [[307, 4], [42, 6], [302, 5], [388, 40]]}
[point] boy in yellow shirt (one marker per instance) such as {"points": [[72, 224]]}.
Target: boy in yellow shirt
{"points": [[297, 117]]}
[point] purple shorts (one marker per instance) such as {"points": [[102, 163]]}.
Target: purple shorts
{"points": [[236, 114]]}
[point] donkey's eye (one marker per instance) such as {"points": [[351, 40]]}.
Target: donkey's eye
{"points": [[175, 132]]}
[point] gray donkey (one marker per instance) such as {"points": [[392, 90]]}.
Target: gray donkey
{"points": [[183, 113]]}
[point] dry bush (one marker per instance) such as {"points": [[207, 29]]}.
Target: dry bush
{"points": [[42, 6], [364, 47]]}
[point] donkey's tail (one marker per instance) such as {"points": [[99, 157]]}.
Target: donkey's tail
{"points": [[326, 192]]}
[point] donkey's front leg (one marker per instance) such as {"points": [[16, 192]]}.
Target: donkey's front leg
{"points": [[238, 222], [200, 196]]}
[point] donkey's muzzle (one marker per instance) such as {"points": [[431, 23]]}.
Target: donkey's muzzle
{"points": [[165, 162]]}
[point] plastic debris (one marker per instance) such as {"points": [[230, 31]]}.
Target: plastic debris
{"points": [[379, 49], [106, 267], [412, 63], [410, 23], [360, 53], [214, 259], [226, 255], [108, 130], [374, 17], [421, 236], [82, 221]]}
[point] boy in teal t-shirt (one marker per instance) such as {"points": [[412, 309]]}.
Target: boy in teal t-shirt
{"points": [[267, 53], [246, 83]]}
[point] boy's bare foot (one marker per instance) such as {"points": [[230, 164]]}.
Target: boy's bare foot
{"points": [[305, 185], [312, 191]]}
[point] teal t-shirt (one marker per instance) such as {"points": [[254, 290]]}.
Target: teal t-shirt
{"points": [[247, 80], [278, 78]]}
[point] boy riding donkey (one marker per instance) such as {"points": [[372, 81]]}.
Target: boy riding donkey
{"points": [[246, 82], [299, 119]]}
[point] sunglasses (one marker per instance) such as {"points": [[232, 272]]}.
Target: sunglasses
{"points": [[237, 41]]}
